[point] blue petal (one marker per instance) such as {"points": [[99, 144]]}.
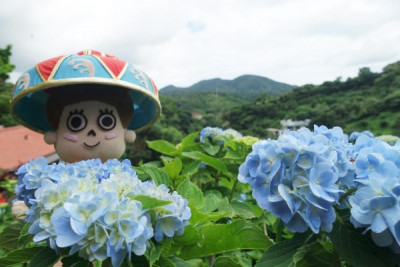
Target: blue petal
{"points": [[382, 202], [65, 235], [378, 224]]}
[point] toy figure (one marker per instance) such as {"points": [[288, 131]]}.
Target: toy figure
{"points": [[86, 104]]}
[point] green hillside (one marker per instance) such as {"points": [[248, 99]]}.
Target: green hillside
{"points": [[210, 96], [368, 101]]}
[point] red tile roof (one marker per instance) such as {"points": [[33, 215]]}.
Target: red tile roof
{"points": [[19, 144]]}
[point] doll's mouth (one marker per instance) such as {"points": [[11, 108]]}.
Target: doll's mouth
{"points": [[98, 143]]}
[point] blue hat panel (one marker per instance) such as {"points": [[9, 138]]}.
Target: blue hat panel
{"points": [[76, 66], [138, 77], [27, 80]]}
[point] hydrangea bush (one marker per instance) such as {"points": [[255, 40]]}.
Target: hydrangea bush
{"points": [[95, 208], [218, 198]]}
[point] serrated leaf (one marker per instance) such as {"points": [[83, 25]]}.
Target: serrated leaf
{"points": [[191, 192], [220, 238], [246, 210], [150, 202], [172, 261], [191, 168], [356, 248], [172, 168], [25, 237], [164, 147], [46, 257], [202, 217], [21, 255], [188, 141], [157, 175], [233, 154], [211, 149], [154, 253], [10, 235], [213, 162], [213, 201], [76, 261], [281, 254], [315, 255], [190, 236]]}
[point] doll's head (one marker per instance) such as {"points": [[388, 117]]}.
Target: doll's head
{"points": [[89, 121], [84, 103]]}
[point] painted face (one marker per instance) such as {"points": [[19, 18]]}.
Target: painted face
{"points": [[88, 130]]}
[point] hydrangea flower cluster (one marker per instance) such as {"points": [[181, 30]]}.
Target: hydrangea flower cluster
{"points": [[218, 135], [32, 173], [94, 208], [375, 205], [297, 177]]}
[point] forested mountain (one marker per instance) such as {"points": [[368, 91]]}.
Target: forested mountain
{"points": [[369, 101], [217, 94]]}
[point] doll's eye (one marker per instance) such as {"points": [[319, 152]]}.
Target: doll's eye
{"points": [[76, 121], [106, 120]]}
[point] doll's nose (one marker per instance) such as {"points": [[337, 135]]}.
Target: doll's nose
{"points": [[91, 132]]}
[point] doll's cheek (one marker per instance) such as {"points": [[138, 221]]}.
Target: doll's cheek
{"points": [[70, 137], [111, 135]]}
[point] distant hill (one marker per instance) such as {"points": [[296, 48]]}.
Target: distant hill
{"points": [[370, 101], [212, 95]]}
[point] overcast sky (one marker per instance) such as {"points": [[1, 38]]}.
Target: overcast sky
{"points": [[181, 42]]}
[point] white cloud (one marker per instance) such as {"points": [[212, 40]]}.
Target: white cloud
{"points": [[182, 42]]}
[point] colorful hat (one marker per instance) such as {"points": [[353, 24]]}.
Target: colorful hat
{"points": [[29, 97]]}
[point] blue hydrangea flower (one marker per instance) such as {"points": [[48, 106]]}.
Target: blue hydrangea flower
{"points": [[209, 132], [89, 207], [217, 135], [299, 177], [375, 205]]}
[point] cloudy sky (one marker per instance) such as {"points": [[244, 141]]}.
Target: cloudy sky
{"points": [[181, 42]]}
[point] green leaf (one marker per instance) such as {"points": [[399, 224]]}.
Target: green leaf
{"points": [[10, 235], [225, 261], [220, 238], [213, 162], [315, 254], [172, 261], [246, 210], [191, 168], [154, 253], [45, 257], [173, 167], [281, 254], [188, 141], [164, 147], [25, 237], [190, 236], [6, 262], [211, 149], [201, 217], [214, 201], [191, 192], [231, 154], [157, 175], [21, 255], [356, 248], [150, 202]]}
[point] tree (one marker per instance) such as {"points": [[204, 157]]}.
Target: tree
{"points": [[5, 66], [5, 88]]}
